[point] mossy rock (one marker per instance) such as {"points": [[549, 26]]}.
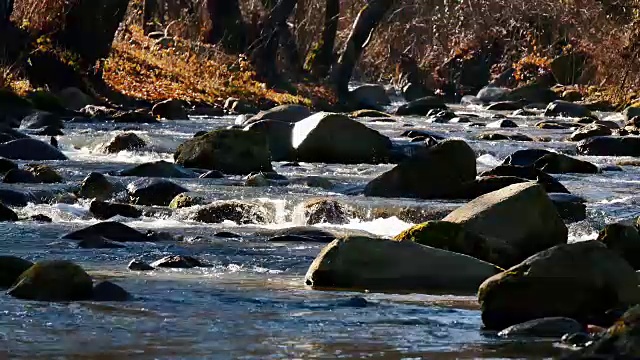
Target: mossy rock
{"points": [[453, 237], [369, 114], [44, 174], [185, 200], [11, 267], [57, 280], [238, 212], [47, 101], [231, 151]]}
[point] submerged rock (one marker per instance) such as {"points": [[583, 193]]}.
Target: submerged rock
{"points": [[152, 191], [620, 341], [108, 291], [109, 230], [440, 172], [318, 211], [7, 214], [160, 169], [385, 265], [580, 281], [103, 210], [521, 215], [11, 267], [30, 149], [235, 152], [179, 262], [238, 212], [139, 265], [335, 138], [53, 281], [551, 327], [99, 243]]}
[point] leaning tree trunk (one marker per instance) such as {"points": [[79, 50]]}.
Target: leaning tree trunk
{"points": [[227, 27], [366, 22], [90, 27], [321, 57]]}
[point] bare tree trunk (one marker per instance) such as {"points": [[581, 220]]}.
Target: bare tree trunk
{"points": [[91, 25], [150, 10], [265, 50], [366, 22], [286, 40], [6, 8], [321, 57], [227, 27]]}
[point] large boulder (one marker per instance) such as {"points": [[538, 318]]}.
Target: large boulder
{"points": [[159, 169], [361, 263], [11, 267], [521, 215], [414, 91], [631, 112], [108, 291], [278, 134], [421, 106], [551, 327], [535, 93], [317, 211], [609, 146], [171, 109], [153, 191], [30, 149], [230, 151], [53, 281], [289, 114], [568, 109], [453, 237], [370, 96], [555, 163], [7, 214], [335, 138], [624, 240], [110, 230], [41, 119], [104, 210], [550, 184], [441, 172], [525, 157], [186, 200], [97, 186], [122, 142], [581, 281], [238, 212], [589, 131], [74, 99]]}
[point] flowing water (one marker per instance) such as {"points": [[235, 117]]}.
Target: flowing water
{"points": [[253, 303]]}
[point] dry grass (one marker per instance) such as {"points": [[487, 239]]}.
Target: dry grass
{"points": [[141, 69]]}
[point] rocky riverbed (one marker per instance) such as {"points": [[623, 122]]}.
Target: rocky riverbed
{"points": [[227, 239]]}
